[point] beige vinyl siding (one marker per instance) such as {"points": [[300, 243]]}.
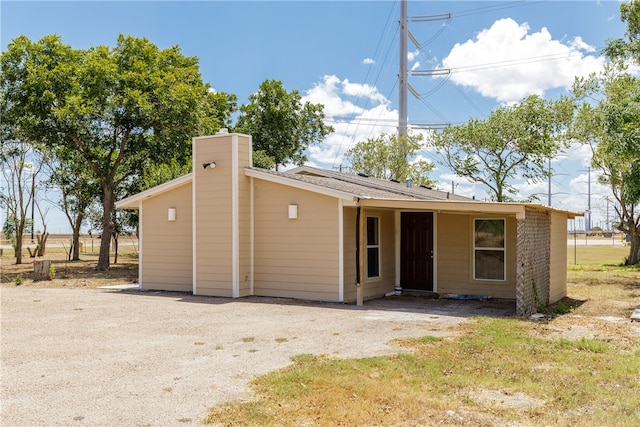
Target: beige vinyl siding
{"points": [[349, 243], [244, 219], [166, 256], [558, 255], [377, 287], [214, 215], [295, 258], [454, 257]]}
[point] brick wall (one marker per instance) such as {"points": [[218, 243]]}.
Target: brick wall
{"points": [[533, 269]]}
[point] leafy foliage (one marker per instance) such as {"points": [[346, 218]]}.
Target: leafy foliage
{"points": [[390, 157], [514, 141], [282, 126], [609, 118], [122, 109], [629, 48]]}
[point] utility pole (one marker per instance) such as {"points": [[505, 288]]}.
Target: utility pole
{"points": [[402, 95], [588, 219], [549, 195], [403, 76]]}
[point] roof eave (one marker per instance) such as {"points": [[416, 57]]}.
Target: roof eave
{"points": [[133, 202]]}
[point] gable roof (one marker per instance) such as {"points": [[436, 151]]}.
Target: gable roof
{"points": [[395, 187], [132, 202], [349, 185]]}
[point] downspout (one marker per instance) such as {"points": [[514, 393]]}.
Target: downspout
{"points": [[359, 290]]}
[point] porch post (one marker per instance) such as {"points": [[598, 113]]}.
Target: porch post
{"points": [[360, 250]]}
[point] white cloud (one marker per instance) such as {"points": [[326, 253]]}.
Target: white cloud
{"points": [[412, 55], [578, 44], [368, 61], [507, 63], [356, 111], [579, 152], [363, 91], [415, 66]]}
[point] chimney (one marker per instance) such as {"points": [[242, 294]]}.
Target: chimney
{"points": [[408, 182]]}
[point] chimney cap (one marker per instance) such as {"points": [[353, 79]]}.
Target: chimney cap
{"points": [[223, 131]]}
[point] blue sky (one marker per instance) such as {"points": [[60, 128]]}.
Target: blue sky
{"points": [[344, 54]]}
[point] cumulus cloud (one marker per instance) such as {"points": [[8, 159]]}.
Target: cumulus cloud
{"points": [[368, 61], [356, 111], [507, 62]]}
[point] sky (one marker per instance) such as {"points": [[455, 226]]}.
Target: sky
{"points": [[345, 55]]}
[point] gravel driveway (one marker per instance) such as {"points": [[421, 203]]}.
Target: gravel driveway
{"points": [[104, 358]]}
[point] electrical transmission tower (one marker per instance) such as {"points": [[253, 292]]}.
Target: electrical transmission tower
{"points": [[403, 75]]}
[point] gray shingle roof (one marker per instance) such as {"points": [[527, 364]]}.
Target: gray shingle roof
{"points": [[362, 186]]}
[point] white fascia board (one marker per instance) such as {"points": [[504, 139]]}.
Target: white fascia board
{"points": [[347, 198], [131, 202]]}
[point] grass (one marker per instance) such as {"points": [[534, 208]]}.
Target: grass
{"points": [[543, 373], [568, 381]]}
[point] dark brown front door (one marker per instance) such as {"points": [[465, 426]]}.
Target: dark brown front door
{"points": [[416, 251]]}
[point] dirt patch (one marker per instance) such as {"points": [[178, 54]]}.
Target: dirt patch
{"points": [[506, 400], [70, 274]]}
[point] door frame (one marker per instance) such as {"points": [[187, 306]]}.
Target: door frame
{"points": [[398, 235]]}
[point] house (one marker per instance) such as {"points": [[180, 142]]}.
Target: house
{"points": [[229, 229]]}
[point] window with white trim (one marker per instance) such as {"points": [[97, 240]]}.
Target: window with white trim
{"points": [[489, 249], [373, 246]]}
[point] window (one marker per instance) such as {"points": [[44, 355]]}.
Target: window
{"points": [[489, 249], [373, 246]]}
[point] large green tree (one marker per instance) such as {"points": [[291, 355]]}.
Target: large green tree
{"points": [[122, 109], [390, 156], [609, 119], [513, 142], [281, 125]]}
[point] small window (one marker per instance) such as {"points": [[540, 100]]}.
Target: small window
{"points": [[373, 247], [489, 249]]}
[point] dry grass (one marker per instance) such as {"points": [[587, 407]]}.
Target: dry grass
{"points": [[72, 274]]}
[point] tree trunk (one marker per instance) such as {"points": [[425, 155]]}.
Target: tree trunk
{"points": [[41, 269], [18, 245], [634, 248], [107, 229], [42, 242], [76, 238], [115, 243]]}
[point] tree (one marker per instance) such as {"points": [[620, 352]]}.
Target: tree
{"points": [[515, 141], [78, 189], [609, 118], [282, 127], [21, 162], [391, 157], [629, 48], [122, 109]]}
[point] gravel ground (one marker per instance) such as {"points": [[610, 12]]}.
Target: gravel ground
{"points": [[90, 357]]}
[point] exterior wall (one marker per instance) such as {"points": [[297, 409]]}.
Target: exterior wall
{"points": [[166, 259], [378, 287], [454, 257], [349, 244], [222, 203], [295, 258], [534, 249], [558, 258]]}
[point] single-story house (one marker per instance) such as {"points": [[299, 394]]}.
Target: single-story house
{"points": [[232, 230]]}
